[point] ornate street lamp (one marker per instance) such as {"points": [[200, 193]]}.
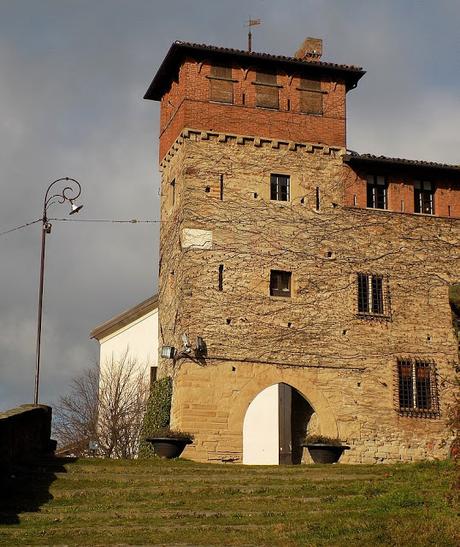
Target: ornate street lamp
{"points": [[70, 193]]}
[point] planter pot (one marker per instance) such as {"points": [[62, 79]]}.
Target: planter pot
{"points": [[325, 453], [165, 447]]}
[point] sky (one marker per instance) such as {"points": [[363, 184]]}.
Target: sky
{"points": [[73, 74]]}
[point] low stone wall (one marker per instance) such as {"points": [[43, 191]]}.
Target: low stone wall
{"points": [[24, 434]]}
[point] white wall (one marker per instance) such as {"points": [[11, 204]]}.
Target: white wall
{"points": [[261, 429], [141, 339]]}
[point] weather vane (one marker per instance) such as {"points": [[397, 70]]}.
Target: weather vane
{"points": [[251, 23]]}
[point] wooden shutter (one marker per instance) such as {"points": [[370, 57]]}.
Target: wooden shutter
{"points": [[221, 84], [311, 97], [267, 92]]}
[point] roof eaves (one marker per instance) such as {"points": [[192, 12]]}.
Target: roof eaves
{"points": [[179, 49], [124, 318], [370, 158]]}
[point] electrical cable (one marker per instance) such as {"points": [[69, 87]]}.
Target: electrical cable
{"points": [[20, 227]]}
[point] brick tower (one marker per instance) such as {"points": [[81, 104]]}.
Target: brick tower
{"points": [[304, 289]]}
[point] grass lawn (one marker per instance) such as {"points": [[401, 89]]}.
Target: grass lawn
{"points": [[100, 502]]}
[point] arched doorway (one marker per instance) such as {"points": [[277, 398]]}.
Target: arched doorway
{"points": [[275, 425]]}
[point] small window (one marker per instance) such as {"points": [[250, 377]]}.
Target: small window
{"points": [[280, 283], [376, 192], [311, 96], [153, 374], [280, 187], [173, 191], [267, 90], [417, 393], [424, 197], [221, 84], [372, 298], [220, 280]]}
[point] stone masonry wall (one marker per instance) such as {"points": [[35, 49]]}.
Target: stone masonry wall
{"points": [[343, 364]]}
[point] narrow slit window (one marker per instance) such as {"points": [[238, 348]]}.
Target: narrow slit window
{"points": [[317, 198], [280, 187], [280, 283], [173, 191], [220, 282], [221, 187]]}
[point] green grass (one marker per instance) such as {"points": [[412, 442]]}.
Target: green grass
{"points": [[100, 502]]}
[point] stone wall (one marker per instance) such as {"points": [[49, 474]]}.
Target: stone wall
{"points": [[24, 434], [342, 362]]}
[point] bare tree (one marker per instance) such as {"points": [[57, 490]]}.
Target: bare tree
{"points": [[105, 406]]}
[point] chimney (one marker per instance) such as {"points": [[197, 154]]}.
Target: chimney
{"points": [[310, 50]]}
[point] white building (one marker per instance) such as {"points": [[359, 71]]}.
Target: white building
{"points": [[133, 332]]}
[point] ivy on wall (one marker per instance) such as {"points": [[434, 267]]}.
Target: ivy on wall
{"points": [[157, 415]]}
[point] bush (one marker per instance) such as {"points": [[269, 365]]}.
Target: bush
{"points": [[157, 415], [321, 439]]}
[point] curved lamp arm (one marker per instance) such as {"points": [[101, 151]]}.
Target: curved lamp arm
{"points": [[69, 193]]}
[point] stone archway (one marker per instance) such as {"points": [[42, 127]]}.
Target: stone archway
{"points": [[275, 425]]}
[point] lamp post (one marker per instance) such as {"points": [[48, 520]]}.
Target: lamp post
{"points": [[70, 193]]}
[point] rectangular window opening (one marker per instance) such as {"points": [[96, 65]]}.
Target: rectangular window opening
{"points": [[267, 90], [311, 96], [173, 191], [280, 187], [417, 392], [372, 300], [153, 374], [424, 197], [377, 190], [280, 283], [317, 199], [221, 186], [221, 84]]}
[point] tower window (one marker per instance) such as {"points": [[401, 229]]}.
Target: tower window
{"points": [[221, 84], [267, 90], [311, 96], [417, 393], [424, 197], [372, 296], [280, 187], [173, 191], [280, 283], [220, 281], [376, 192]]}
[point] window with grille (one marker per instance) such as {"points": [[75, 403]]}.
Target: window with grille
{"points": [[280, 187], [280, 283], [417, 393], [372, 295], [377, 192], [424, 197], [311, 96], [267, 90], [221, 84]]}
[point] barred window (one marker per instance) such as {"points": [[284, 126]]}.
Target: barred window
{"points": [[311, 96], [221, 84], [424, 197], [376, 192], [417, 391], [267, 90], [280, 187], [280, 283], [372, 295]]}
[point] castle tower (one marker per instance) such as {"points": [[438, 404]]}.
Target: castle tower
{"points": [[284, 295]]}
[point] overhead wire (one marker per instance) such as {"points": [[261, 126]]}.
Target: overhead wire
{"points": [[20, 227]]}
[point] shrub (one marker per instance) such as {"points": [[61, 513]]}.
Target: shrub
{"points": [[157, 415], [168, 433], [321, 439]]}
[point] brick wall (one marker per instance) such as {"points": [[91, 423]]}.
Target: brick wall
{"points": [[187, 104]]}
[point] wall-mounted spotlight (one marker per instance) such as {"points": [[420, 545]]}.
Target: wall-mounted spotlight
{"points": [[168, 352]]}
